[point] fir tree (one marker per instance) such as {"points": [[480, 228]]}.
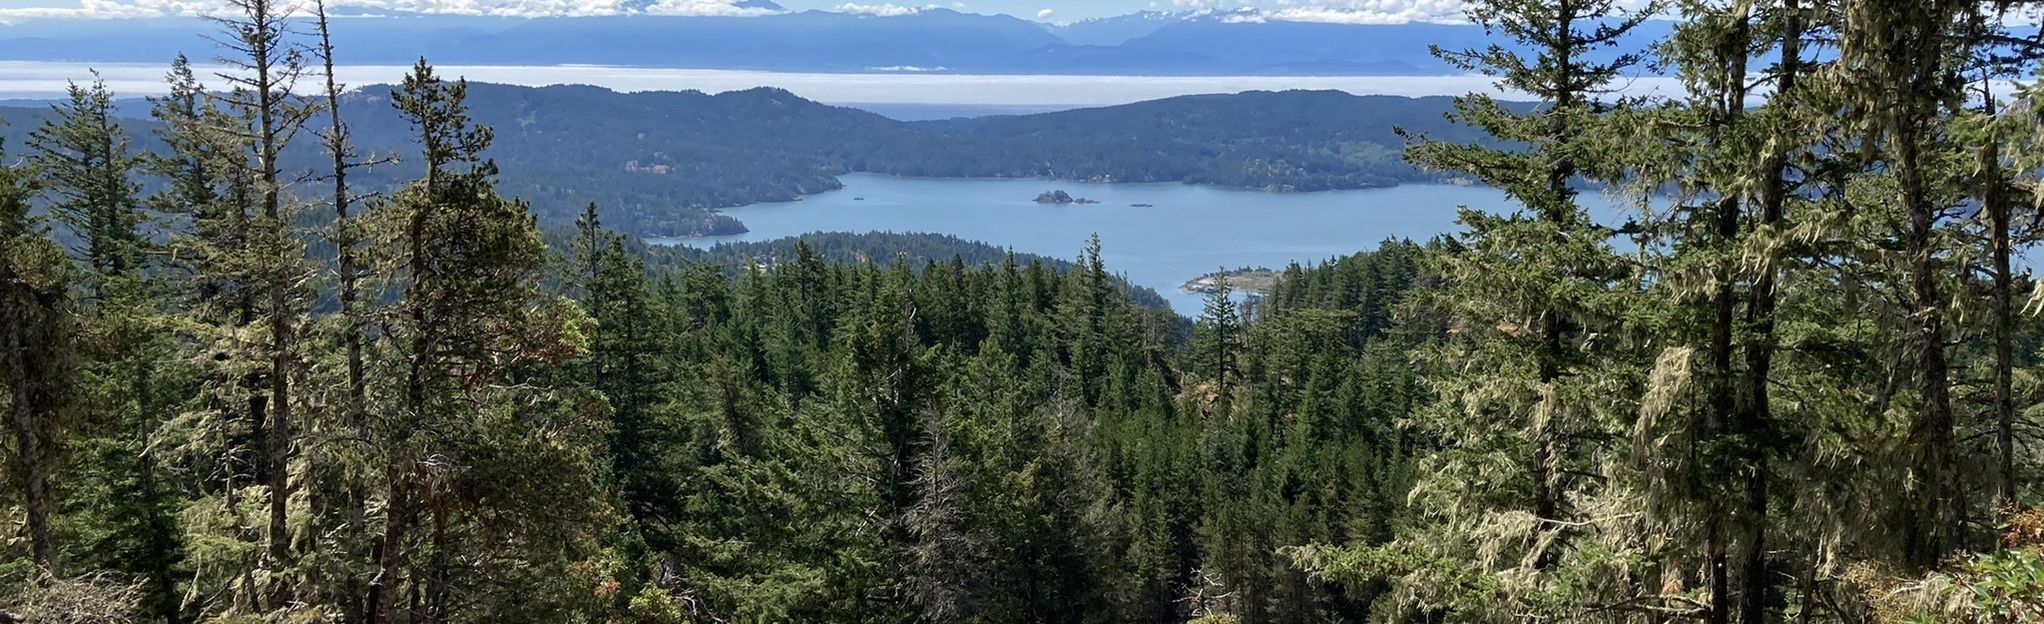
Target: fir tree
{"points": [[1524, 405], [475, 423], [127, 380], [264, 67], [1217, 338], [87, 159], [36, 316]]}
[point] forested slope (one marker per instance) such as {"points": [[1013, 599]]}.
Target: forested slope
{"points": [[652, 160], [1285, 141], [661, 163], [1801, 389], [919, 250]]}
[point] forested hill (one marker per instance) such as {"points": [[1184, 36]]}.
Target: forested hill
{"points": [[660, 163], [654, 160], [919, 249], [1289, 140], [656, 163], [1805, 391]]}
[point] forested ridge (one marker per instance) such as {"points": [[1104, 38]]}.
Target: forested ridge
{"points": [[916, 249], [662, 163], [1799, 384]]}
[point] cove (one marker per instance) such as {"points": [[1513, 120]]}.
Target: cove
{"points": [[1184, 230]]}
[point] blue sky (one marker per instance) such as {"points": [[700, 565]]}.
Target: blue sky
{"points": [[1350, 11], [1082, 8], [1061, 9]]}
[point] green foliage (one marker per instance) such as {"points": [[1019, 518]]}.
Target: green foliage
{"points": [[1538, 368], [1780, 390], [662, 163], [2007, 586], [86, 158], [846, 247], [1771, 395]]}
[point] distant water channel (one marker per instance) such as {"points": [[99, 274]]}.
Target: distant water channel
{"points": [[1184, 230]]}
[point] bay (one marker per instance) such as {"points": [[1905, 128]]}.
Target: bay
{"points": [[1185, 230]]}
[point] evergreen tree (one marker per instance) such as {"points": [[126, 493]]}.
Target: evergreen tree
{"points": [[36, 315], [221, 436], [1799, 393], [128, 384], [1217, 337], [1536, 378], [86, 158], [264, 66], [341, 484], [481, 453], [1899, 73], [1703, 438]]}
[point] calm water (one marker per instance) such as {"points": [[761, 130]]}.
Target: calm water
{"points": [[1191, 230]]}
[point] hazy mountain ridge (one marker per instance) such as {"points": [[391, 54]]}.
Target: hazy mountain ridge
{"points": [[930, 39], [1113, 31]]}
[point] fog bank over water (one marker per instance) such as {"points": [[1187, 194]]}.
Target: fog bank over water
{"points": [[38, 79]]}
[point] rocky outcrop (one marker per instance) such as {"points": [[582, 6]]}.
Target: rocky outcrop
{"points": [[1061, 197]]}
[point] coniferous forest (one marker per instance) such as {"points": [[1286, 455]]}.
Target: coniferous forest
{"points": [[664, 163], [1800, 382]]}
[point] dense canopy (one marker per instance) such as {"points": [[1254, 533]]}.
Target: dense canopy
{"points": [[254, 373]]}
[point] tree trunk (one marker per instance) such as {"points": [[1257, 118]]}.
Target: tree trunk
{"points": [[162, 545], [159, 530], [349, 273], [389, 550], [1935, 529], [1547, 504], [1718, 411], [25, 400], [1757, 412], [269, 142], [437, 607], [1995, 203]]}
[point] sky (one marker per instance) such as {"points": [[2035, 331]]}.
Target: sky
{"points": [[1061, 10], [1371, 11]]}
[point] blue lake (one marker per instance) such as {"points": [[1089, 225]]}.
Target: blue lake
{"points": [[1185, 232]]}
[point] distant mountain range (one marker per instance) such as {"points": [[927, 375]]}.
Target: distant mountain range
{"points": [[1113, 31], [926, 40]]}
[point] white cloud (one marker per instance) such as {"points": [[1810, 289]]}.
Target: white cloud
{"points": [[724, 8], [513, 8], [1325, 11], [1339, 11], [111, 9], [1351, 16], [881, 10]]}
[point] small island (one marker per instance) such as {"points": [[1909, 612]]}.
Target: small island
{"points": [[1255, 281], [1061, 197]]}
